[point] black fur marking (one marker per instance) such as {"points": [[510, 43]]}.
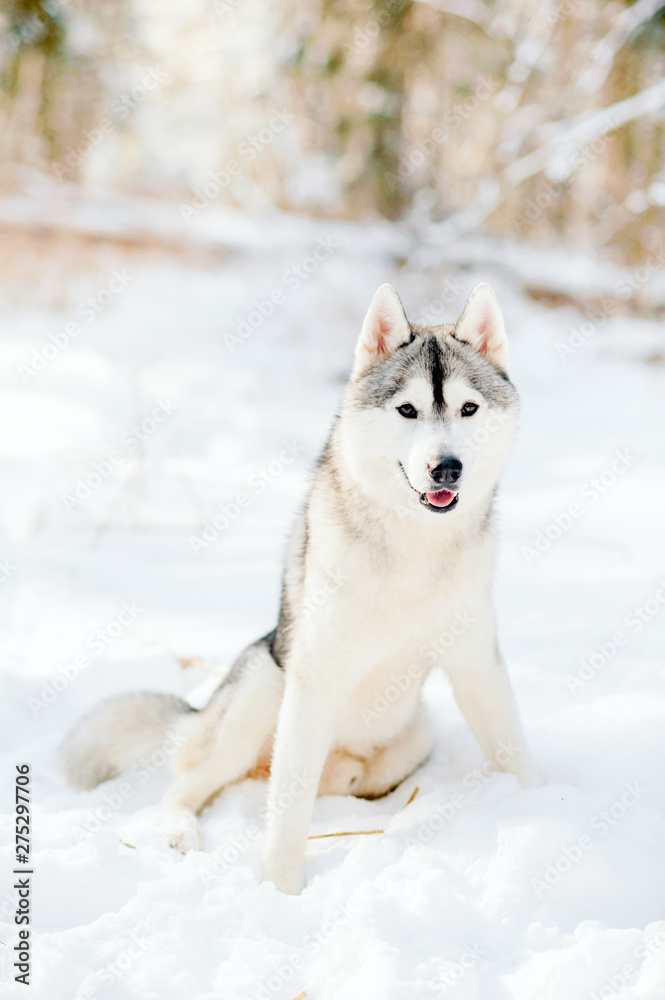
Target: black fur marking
{"points": [[436, 370], [269, 640], [414, 334]]}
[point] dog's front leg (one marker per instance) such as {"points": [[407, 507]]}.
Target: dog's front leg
{"points": [[485, 696], [304, 733]]}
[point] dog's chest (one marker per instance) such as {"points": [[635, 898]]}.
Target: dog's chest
{"points": [[403, 604], [383, 621], [398, 631]]}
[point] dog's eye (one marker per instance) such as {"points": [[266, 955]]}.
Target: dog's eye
{"points": [[469, 409], [408, 411]]}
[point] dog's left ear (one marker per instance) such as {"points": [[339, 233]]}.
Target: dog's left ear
{"points": [[481, 325], [385, 329]]}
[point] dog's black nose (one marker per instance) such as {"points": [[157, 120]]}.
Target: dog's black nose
{"points": [[446, 472]]}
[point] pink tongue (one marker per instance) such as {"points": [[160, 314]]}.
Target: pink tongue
{"points": [[440, 499]]}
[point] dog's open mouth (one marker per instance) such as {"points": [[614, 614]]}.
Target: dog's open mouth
{"points": [[439, 501]]}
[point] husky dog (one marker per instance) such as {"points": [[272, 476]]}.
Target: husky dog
{"points": [[388, 573]]}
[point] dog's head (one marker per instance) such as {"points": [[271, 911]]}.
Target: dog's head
{"points": [[430, 412]]}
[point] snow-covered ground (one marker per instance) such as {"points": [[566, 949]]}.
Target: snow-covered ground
{"points": [[149, 420]]}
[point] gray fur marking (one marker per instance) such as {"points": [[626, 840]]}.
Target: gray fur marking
{"points": [[420, 357]]}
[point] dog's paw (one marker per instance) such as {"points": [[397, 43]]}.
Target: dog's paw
{"points": [[290, 883], [287, 876], [181, 831]]}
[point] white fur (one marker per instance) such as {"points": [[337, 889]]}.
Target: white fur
{"points": [[337, 670], [428, 567], [404, 578], [385, 327]]}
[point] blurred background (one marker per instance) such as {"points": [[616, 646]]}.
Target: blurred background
{"points": [[197, 202], [542, 121]]}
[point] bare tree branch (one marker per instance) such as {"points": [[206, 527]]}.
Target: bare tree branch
{"points": [[606, 49], [469, 10], [566, 139]]}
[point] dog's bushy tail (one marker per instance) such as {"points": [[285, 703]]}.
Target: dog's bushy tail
{"points": [[117, 734]]}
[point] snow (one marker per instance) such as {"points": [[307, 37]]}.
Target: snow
{"points": [[475, 889]]}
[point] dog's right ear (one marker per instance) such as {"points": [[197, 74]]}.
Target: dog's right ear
{"points": [[385, 329]]}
